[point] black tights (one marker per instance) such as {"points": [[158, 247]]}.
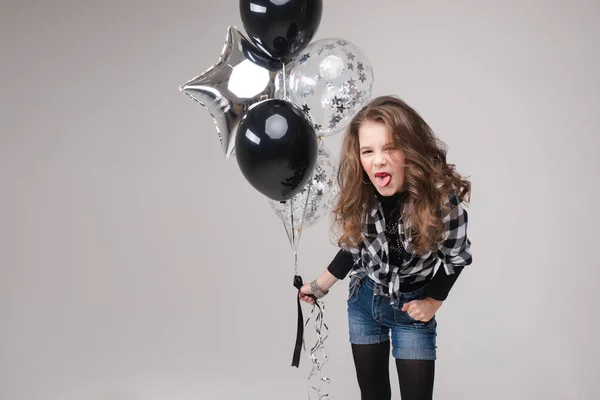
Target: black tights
{"points": [[372, 370]]}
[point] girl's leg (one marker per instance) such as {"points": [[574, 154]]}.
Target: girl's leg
{"points": [[372, 370], [416, 378]]}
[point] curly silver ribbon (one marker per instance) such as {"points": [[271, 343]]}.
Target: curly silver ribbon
{"points": [[317, 355]]}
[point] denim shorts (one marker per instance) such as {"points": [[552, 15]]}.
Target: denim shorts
{"points": [[371, 319]]}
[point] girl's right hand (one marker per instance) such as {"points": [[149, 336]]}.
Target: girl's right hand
{"points": [[305, 292]]}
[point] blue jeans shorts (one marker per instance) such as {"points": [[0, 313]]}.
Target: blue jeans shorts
{"points": [[371, 319]]}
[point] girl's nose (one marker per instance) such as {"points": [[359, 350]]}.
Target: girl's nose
{"points": [[380, 159]]}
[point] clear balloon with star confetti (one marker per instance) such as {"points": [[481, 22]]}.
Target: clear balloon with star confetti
{"points": [[331, 80], [313, 201]]}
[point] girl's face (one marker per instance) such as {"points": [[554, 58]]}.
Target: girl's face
{"points": [[382, 161]]}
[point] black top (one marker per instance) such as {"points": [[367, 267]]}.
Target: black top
{"points": [[437, 287]]}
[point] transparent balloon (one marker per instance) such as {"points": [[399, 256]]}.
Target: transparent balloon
{"points": [[331, 80], [313, 201]]}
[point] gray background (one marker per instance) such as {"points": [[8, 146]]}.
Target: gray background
{"points": [[137, 263]]}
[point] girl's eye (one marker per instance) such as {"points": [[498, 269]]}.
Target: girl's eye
{"points": [[366, 151]]}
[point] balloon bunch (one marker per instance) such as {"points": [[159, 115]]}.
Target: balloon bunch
{"points": [[273, 95]]}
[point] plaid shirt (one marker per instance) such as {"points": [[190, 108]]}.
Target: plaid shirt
{"points": [[372, 256]]}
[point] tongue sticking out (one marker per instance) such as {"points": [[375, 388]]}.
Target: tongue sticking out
{"points": [[383, 179]]}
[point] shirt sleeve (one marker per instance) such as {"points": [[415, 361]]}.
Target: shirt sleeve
{"points": [[341, 264], [440, 285], [455, 249]]}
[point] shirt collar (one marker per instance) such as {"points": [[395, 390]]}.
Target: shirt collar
{"points": [[388, 200]]}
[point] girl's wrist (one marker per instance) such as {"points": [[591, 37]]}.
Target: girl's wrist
{"points": [[437, 303], [326, 281], [317, 290]]}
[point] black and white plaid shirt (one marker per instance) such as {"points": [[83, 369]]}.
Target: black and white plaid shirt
{"points": [[372, 256]]}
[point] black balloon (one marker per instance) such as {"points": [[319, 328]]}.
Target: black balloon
{"points": [[281, 28], [276, 148]]}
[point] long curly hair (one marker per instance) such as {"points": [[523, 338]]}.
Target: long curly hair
{"points": [[429, 179]]}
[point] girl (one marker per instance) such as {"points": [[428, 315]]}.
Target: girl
{"points": [[401, 215]]}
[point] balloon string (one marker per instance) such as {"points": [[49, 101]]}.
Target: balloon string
{"points": [[293, 231], [296, 232], [308, 188], [295, 262], [283, 82], [317, 355]]}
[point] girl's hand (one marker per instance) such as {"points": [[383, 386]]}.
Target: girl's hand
{"points": [[305, 292], [325, 282], [422, 310]]}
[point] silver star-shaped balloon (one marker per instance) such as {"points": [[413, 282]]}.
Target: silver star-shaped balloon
{"points": [[244, 75]]}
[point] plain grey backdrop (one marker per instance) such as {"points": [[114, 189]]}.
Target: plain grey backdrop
{"points": [[136, 263]]}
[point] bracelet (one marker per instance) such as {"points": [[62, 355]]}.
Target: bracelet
{"points": [[316, 290]]}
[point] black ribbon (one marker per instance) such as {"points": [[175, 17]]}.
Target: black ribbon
{"points": [[300, 331]]}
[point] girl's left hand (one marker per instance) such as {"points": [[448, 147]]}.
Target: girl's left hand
{"points": [[422, 310]]}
